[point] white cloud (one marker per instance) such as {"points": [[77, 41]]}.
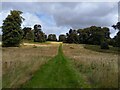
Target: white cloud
{"points": [[113, 32], [63, 16], [3, 15], [30, 20]]}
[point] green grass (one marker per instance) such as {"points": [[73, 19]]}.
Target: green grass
{"points": [[98, 49], [57, 73]]}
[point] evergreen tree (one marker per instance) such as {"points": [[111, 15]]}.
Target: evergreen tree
{"points": [[12, 33]]}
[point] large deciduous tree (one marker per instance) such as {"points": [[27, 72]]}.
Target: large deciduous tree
{"points": [[11, 28], [28, 34], [91, 35], [62, 38], [39, 36], [72, 36], [52, 37]]}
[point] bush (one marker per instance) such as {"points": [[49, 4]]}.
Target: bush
{"points": [[104, 45]]}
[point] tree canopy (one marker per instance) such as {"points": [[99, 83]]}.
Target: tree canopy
{"points": [[52, 37], [12, 33], [116, 39], [62, 38], [91, 35], [39, 36], [28, 33]]}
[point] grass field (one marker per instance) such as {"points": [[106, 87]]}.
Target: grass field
{"points": [[19, 64], [57, 73], [35, 65], [100, 69]]}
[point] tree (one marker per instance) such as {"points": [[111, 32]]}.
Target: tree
{"points": [[72, 36], [116, 39], [83, 35], [62, 38], [45, 37], [93, 35], [52, 37], [117, 26], [28, 34], [12, 33], [39, 36]]}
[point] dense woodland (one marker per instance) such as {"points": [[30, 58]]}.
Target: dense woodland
{"points": [[13, 34]]}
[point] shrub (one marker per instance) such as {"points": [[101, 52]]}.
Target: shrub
{"points": [[104, 45]]}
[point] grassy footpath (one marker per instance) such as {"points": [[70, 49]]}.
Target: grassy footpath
{"points": [[57, 73]]}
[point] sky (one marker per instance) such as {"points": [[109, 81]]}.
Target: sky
{"points": [[57, 18]]}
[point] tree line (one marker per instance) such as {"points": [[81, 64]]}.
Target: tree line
{"points": [[13, 34]]}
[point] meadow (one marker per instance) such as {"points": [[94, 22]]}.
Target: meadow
{"points": [[99, 68], [50, 65], [20, 63]]}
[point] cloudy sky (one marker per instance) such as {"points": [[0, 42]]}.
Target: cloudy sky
{"points": [[59, 17]]}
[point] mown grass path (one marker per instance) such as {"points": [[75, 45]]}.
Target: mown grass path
{"points": [[57, 73]]}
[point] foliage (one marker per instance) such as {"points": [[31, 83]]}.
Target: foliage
{"points": [[52, 37], [28, 34], [0, 37], [12, 33], [91, 35], [72, 36], [116, 39], [39, 36], [62, 38]]}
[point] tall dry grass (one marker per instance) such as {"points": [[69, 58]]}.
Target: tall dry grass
{"points": [[100, 69], [20, 63]]}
